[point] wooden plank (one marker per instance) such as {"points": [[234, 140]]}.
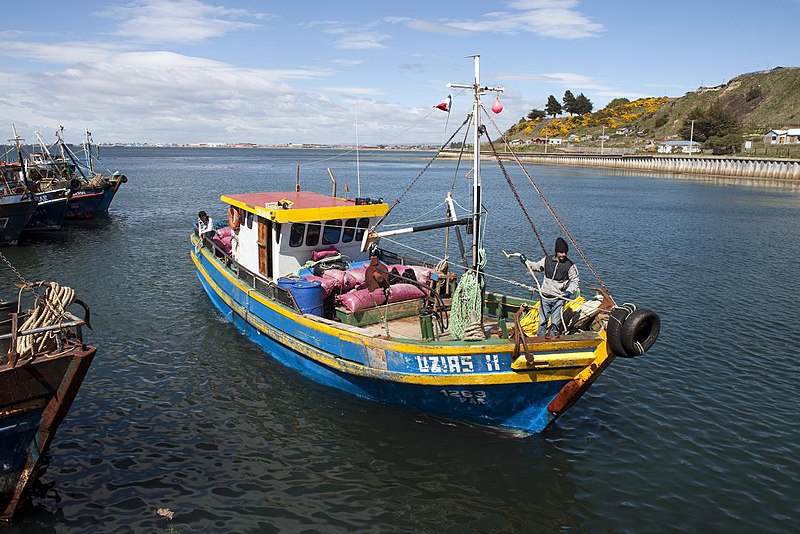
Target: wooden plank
{"points": [[395, 310]]}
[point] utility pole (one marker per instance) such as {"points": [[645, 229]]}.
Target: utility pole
{"points": [[691, 138], [603, 140]]}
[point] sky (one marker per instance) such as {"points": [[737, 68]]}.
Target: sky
{"points": [[347, 72]]}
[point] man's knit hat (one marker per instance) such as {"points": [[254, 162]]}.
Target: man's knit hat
{"points": [[561, 245]]}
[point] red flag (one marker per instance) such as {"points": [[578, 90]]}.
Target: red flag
{"points": [[445, 105]]}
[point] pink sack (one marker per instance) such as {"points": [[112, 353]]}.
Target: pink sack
{"points": [[221, 243], [401, 292], [355, 278], [329, 285], [317, 255], [337, 276], [224, 232], [361, 299]]}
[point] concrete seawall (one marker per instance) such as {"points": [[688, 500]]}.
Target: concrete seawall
{"points": [[769, 169]]}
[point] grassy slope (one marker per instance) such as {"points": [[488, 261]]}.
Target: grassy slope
{"points": [[761, 101]]}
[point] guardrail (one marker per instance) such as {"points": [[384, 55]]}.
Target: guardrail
{"points": [[733, 167]]}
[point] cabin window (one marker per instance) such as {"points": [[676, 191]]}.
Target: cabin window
{"points": [[277, 227], [248, 221], [332, 231], [296, 234], [349, 230], [312, 235], [363, 224]]}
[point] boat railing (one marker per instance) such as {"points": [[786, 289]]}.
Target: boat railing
{"points": [[259, 282], [8, 340]]}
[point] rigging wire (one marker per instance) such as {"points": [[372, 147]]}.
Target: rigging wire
{"points": [[516, 194], [414, 181], [546, 202], [454, 264]]}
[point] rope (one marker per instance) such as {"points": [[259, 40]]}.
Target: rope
{"points": [[48, 312], [546, 203], [516, 194], [414, 181], [466, 315]]}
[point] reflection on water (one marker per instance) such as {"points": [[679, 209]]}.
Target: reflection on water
{"points": [[179, 411]]}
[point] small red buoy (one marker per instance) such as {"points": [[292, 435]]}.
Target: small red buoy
{"points": [[497, 107]]}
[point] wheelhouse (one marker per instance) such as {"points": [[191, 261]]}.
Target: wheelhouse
{"points": [[278, 232]]}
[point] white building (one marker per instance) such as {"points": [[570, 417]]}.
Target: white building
{"points": [[685, 147], [782, 137]]}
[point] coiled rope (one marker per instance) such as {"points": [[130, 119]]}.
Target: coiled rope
{"points": [[49, 311], [467, 308]]}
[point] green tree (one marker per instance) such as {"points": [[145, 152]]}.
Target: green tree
{"points": [[553, 107], [536, 114], [569, 102], [583, 105], [714, 126], [714, 121], [617, 102]]}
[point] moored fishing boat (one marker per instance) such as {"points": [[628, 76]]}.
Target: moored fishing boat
{"points": [[91, 191], [304, 276], [17, 206], [43, 361]]}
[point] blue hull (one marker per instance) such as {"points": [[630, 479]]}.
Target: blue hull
{"points": [[14, 215], [49, 215], [85, 204], [478, 387]]}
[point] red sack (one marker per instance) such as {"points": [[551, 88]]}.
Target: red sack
{"points": [[401, 292], [329, 285], [355, 278], [361, 299], [317, 255]]}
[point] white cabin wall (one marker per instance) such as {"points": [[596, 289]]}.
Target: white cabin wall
{"points": [[247, 255], [287, 260]]}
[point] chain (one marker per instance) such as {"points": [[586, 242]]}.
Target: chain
{"points": [[15, 271]]}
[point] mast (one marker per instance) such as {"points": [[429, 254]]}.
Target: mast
{"points": [[22, 163], [88, 149], [477, 91]]}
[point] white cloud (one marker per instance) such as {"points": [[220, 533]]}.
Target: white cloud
{"points": [[179, 21], [354, 90], [353, 38], [565, 79], [548, 18]]}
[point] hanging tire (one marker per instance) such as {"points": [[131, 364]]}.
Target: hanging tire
{"points": [[74, 185], [639, 331], [614, 329]]}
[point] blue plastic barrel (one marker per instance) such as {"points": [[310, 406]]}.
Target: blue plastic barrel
{"points": [[287, 282], [309, 296]]}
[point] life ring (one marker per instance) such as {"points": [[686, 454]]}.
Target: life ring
{"points": [[614, 329], [233, 218], [639, 331]]}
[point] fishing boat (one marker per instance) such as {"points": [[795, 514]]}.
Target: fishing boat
{"points": [[305, 276], [91, 192], [17, 206], [43, 361]]}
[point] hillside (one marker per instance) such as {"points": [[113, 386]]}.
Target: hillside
{"points": [[760, 101]]}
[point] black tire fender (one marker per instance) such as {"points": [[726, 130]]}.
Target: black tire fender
{"points": [[639, 331], [74, 185], [614, 329]]}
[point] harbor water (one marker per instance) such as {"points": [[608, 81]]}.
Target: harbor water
{"points": [[180, 412]]}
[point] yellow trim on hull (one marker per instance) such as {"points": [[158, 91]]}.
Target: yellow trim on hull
{"points": [[560, 367]]}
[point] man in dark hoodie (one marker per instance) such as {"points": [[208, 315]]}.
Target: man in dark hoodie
{"points": [[561, 282]]}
